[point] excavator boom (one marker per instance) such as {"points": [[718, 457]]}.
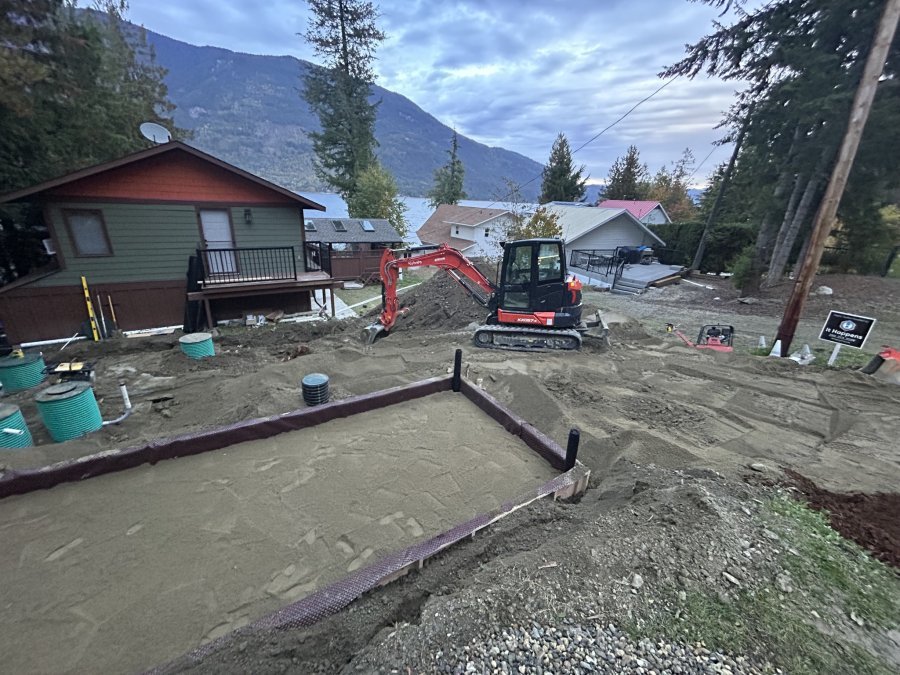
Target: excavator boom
{"points": [[443, 257]]}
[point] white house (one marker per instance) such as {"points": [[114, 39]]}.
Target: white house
{"points": [[474, 230], [649, 213], [594, 228]]}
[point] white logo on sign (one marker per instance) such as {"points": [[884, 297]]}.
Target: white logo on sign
{"points": [[848, 325]]}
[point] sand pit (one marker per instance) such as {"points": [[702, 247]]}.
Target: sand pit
{"points": [[127, 570]]}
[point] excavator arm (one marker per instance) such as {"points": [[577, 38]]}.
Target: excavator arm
{"points": [[443, 257]]}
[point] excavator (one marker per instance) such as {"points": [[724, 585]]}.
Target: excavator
{"points": [[535, 306]]}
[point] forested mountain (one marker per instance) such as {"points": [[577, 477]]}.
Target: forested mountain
{"points": [[246, 109]]}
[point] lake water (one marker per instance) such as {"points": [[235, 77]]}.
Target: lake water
{"points": [[417, 209]]}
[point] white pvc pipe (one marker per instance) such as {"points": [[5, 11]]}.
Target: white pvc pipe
{"points": [[43, 343], [127, 404]]}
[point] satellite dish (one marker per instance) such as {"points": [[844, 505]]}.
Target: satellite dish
{"points": [[155, 132]]}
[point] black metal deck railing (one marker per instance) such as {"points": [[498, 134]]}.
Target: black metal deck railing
{"points": [[317, 256], [600, 261], [234, 265]]}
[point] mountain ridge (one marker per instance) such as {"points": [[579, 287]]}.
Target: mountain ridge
{"points": [[247, 109]]}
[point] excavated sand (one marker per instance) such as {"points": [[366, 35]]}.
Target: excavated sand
{"points": [[124, 571]]}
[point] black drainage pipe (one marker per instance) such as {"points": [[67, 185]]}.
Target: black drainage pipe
{"points": [[457, 370], [572, 448]]}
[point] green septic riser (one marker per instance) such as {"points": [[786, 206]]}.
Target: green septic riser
{"points": [[197, 345], [11, 420], [18, 374], [69, 410]]}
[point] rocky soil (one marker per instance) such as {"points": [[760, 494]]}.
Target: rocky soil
{"points": [[690, 552]]}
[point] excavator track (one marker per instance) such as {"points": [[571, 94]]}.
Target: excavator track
{"points": [[522, 339]]}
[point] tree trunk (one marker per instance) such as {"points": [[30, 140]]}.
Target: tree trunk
{"points": [[765, 237], [791, 211], [802, 256], [788, 235]]}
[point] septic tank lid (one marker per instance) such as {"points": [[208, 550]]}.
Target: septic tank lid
{"points": [[62, 390], [8, 410], [193, 338], [13, 361], [315, 379]]}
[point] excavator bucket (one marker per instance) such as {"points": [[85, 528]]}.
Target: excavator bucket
{"points": [[372, 332]]}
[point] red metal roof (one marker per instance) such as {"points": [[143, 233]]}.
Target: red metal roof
{"points": [[638, 209]]}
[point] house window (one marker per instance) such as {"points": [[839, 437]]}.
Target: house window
{"points": [[367, 226], [339, 226], [87, 232], [487, 232], [309, 226]]}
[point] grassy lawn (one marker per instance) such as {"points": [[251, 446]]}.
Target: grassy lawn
{"points": [[809, 629], [847, 358]]}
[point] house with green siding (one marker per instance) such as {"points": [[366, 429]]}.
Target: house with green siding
{"points": [[159, 235]]}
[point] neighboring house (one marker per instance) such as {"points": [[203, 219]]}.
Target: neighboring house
{"points": [[596, 228], [354, 245], [474, 230], [649, 213], [132, 226], [600, 243]]}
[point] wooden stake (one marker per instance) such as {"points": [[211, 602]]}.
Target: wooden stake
{"points": [[112, 311], [859, 113]]}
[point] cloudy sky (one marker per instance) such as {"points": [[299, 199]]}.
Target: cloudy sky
{"points": [[509, 73]]}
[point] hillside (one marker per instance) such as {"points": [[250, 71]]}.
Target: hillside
{"points": [[247, 110]]}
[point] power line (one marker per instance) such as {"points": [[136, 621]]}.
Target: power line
{"points": [[630, 110], [598, 135], [709, 154]]}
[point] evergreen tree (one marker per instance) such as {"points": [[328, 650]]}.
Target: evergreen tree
{"points": [[376, 196], [803, 62], [73, 92], [344, 34], [448, 179], [627, 177], [561, 181]]}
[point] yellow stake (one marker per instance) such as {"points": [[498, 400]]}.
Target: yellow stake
{"points": [[90, 310]]}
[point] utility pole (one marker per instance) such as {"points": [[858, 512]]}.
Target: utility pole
{"points": [[859, 113], [714, 211]]}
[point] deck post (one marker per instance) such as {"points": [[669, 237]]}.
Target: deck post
{"points": [[333, 314], [209, 319]]}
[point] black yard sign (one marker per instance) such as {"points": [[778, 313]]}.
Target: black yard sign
{"points": [[847, 329]]}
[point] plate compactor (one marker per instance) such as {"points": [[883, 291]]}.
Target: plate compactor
{"points": [[717, 337]]}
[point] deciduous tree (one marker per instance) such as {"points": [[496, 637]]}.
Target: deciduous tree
{"points": [[376, 196]]}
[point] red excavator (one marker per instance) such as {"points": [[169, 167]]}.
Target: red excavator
{"points": [[535, 306]]}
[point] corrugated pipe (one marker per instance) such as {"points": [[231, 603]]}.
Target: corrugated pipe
{"points": [[127, 403]]}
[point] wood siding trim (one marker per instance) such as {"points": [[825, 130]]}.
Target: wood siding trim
{"points": [[157, 150], [33, 313], [54, 236], [74, 199], [72, 240]]}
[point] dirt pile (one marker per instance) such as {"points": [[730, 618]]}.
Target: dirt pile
{"points": [[439, 304], [871, 520]]}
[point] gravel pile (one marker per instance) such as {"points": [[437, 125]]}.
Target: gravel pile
{"points": [[582, 649]]}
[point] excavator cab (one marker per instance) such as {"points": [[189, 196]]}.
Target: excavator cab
{"points": [[534, 288]]}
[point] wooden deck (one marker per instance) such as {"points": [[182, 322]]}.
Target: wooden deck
{"points": [[255, 286], [636, 274]]}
